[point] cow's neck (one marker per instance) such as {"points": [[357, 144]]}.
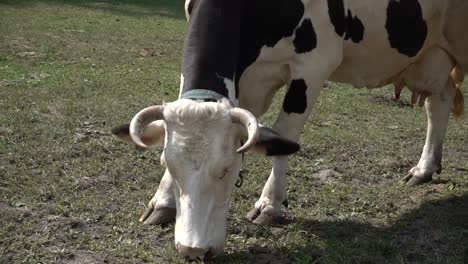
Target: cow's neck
{"points": [[211, 48]]}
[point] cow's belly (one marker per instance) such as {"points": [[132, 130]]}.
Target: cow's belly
{"points": [[373, 62], [370, 67]]}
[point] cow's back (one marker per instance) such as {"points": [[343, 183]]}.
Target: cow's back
{"points": [[395, 35]]}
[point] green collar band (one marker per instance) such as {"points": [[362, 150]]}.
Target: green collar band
{"points": [[202, 94]]}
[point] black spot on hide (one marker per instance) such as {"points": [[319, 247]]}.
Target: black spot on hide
{"points": [[224, 37], [211, 45], [264, 23], [347, 25], [406, 28], [295, 100], [337, 15], [305, 39], [354, 28]]}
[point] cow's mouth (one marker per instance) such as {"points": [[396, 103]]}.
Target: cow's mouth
{"points": [[194, 254]]}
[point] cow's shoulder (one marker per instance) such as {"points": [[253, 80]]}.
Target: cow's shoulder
{"points": [[267, 22]]}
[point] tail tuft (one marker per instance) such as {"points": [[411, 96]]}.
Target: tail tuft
{"points": [[458, 75]]}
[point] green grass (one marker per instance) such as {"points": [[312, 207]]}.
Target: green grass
{"points": [[71, 70]]}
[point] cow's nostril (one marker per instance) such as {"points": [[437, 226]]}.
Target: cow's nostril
{"points": [[192, 253], [209, 254], [188, 259]]}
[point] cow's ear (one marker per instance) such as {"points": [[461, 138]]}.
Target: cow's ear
{"points": [[122, 133], [271, 143], [153, 134]]}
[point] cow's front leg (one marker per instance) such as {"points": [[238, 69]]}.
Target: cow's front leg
{"points": [[267, 209], [314, 61], [297, 106], [161, 209], [438, 113]]}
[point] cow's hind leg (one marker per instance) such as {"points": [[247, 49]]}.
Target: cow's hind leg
{"points": [[161, 209], [438, 112]]}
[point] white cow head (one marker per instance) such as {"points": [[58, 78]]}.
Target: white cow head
{"points": [[203, 153]]}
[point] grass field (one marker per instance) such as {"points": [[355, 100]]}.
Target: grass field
{"points": [[69, 193]]}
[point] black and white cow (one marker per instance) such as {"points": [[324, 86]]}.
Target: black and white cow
{"points": [[238, 54]]}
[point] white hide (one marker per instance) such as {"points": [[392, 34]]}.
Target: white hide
{"points": [[231, 91], [181, 85]]}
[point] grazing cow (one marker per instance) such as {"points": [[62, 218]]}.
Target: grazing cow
{"points": [[238, 54]]}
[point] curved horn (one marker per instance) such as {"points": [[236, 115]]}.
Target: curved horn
{"points": [[248, 120], [142, 119]]}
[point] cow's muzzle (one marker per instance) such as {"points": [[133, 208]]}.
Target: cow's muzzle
{"points": [[194, 254]]}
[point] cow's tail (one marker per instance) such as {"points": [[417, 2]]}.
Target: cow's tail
{"points": [[458, 75]]}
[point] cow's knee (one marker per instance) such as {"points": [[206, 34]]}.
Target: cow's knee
{"points": [[161, 208], [268, 208]]}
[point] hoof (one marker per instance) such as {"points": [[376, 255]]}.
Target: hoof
{"points": [[158, 216], [263, 218], [417, 177]]}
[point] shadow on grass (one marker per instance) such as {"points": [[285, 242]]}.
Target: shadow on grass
{"points": [[135, 8], [436, 232]]}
